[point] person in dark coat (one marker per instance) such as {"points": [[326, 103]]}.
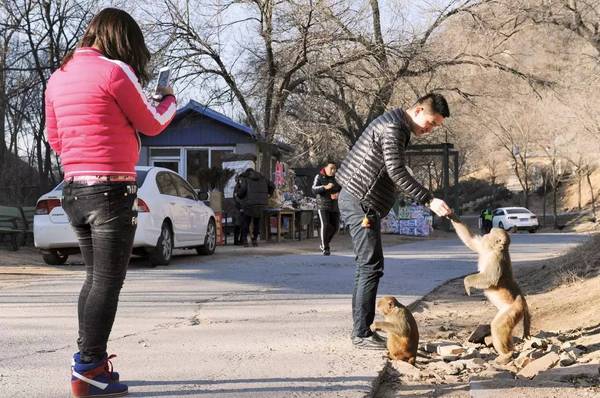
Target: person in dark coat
{"points": [[371, 176], [252, 191], [326, 188]]}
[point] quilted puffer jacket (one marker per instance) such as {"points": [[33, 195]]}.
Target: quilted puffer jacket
{"points": [[95, 107], [375, 170]]}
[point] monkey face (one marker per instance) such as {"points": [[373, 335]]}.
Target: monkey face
{"points": [[386, 304], [497, 240]]}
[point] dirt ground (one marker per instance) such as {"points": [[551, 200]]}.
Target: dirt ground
{"points": [[563, 296]]}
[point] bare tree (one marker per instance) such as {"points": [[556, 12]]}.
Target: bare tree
{"points": [[516, 134], [398, 66], [267, 68], [50, 30], [574, 16], [8, 27]]}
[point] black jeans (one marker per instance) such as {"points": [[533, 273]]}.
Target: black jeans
{"points": [[330, 223], [104, 219], [369, 261], [246, 220]]}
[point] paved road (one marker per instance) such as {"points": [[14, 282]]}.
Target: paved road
{"points": [[245, 327]]}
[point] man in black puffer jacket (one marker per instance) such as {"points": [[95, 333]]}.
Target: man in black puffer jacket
{"points": [[326, 188], [370, 176], [252, 191]]}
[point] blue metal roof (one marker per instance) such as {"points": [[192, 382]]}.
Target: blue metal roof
{"points": [[193, 106]]}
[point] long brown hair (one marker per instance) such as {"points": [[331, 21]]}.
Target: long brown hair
{"points": [[119, 37]]}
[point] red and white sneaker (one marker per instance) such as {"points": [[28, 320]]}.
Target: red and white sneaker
{"points": [[95, 380]]}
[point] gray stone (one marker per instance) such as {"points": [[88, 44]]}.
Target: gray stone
{"points": [[534, 342], [450, 358], [527, 356], [406, 369], [566, 345], [539, 365], [567, 359], [471, 353], [450, 350], [537, 354], [456, 368], [521, 362], [468, 345], [429, 347], [570, 372], [479, 334], [576, 351], [488, 341], [441, 367], [486, 351], [471, 364]]}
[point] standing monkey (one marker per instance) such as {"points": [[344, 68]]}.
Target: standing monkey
{"points": [[496, 279], [401, 328]]}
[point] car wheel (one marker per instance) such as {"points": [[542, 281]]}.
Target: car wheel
{"points": [[162, 253], [500, 225], [533, 230], [55, 258], [210, 240]]}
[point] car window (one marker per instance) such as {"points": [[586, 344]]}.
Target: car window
{"points": [[165, 183], [184, 189], [518, 211], [498, 212]]}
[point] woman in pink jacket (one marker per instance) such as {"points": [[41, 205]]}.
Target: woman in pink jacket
{"points": [[95, 108]]}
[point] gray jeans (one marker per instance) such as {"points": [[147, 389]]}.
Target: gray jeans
{"points": [[105, 221], [369, 261]]}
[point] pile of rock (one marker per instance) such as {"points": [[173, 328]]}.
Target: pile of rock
{"points": [[545, 356]]}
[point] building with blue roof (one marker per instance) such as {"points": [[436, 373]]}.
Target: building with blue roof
{"points": [[199, 138]]}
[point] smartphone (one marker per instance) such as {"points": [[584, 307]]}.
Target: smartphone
{"points": [[162, 81]]}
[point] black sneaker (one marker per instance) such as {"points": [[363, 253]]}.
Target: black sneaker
{"points": [[368, 343], [377, 337], [326, 252], [254, 243]]}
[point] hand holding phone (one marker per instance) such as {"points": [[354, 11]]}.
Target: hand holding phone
{"points": [[162, 87]]}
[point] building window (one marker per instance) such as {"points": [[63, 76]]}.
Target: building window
{"points": [[216, 156], [169, 158], [197, 160]]}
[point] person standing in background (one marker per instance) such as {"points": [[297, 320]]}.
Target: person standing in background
{"points": [[326, 188], [253, 191]]}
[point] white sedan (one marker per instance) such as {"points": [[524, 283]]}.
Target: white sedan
{"points": [[170, 215], [515, 218]]}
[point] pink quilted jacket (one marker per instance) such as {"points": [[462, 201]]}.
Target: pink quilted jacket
{"points": [[94, 108]]}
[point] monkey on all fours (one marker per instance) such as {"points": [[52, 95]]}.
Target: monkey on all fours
{"points": [[496, 279], [401, 328]]}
